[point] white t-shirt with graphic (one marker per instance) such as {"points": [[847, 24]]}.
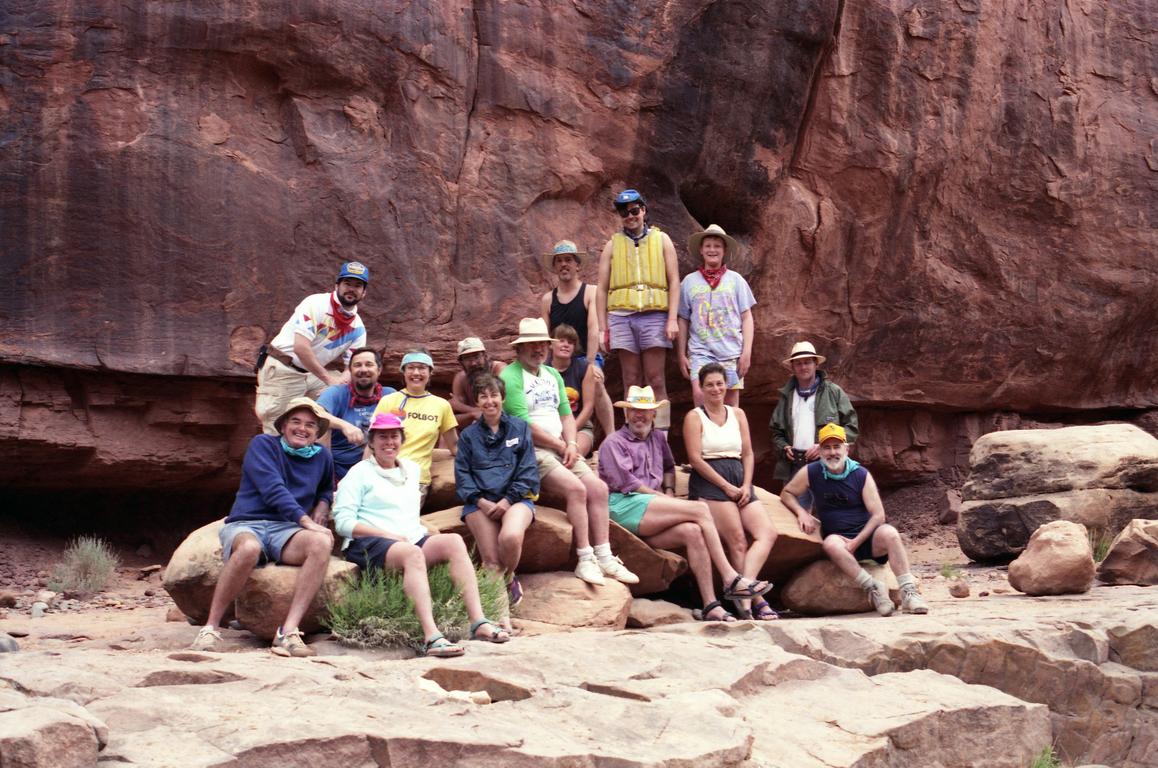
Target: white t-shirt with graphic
{"points": [[314, 319]]}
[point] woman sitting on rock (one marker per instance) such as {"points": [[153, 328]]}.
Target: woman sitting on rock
{"points": [[376, 509], [719, 449]]}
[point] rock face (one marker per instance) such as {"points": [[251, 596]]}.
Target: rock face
{"points": [[926, 164], [1057, 561], [193, 571], [563, 600], [1133, 555], [822, 589], [1101, 477]]}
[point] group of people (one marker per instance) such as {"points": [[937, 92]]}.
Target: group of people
{"points": [[528, 427]]}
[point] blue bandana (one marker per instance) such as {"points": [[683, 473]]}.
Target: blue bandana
{"points": [[849, 466], [308, 452]]}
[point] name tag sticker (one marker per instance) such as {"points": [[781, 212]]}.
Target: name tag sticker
{"points": [[512, 442]]}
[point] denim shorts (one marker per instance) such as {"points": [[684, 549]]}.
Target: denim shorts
{"points": [[639, 331], [273, 535]]}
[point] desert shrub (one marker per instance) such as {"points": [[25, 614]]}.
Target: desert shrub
{"points": [[87, 567], [374, 611], [950, 571], [1100, 541], [1046, 759]]}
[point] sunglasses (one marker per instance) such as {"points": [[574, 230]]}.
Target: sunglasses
{"points": [[634, 211]]}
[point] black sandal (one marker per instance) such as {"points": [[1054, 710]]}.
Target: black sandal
{"points": [[703, 615], [754, 588]]}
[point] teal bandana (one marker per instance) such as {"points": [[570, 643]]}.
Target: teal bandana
{"points": [[308, 452], [849, 466]]}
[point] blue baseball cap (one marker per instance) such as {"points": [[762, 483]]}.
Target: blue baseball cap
{"points": [[628, 196], [354, 269]]}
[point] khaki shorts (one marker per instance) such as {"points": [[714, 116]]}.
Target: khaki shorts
{"points": [[277, 384], [549, 461]]}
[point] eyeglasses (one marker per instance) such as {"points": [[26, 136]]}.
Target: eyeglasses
{"points": [[625, 212]]}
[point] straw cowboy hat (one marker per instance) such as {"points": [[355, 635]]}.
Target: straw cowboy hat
{"points": [[640, 398], [801, 350], [305, 403], [731, 247], [562, 247], [531, 329]]}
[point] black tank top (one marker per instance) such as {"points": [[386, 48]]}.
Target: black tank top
{"points": [[573, 313]]}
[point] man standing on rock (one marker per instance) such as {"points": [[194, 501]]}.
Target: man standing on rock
{"points": [[573, 303], [351, 406], [280, 515], [473, 359], [322, 329], [807, 403], [638, 298], [536, 394], [852, 521]]}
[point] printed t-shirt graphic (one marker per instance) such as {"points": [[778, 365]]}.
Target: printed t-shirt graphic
{"points": [[428, 416]]}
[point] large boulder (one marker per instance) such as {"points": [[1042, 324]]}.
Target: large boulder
{"points": [[47, 731], [265, 599], [193, 569], [1101, 477], [443, 491], [1057, 561], [1133, 555], [563, 600], [822, 589]]}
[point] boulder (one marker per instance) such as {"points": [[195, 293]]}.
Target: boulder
{"points": [[560, 598], [193, 569], [1133, 555], [994, 529], [548, 546], [443, 491], [1025, 462], [822, 589], [265, 598], [39, 735], [654, 613], [1057, 561]]}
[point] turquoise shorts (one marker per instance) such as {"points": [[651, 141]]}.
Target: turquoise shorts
{"points": [[627, 508]]}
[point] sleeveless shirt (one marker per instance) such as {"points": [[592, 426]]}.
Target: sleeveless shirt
{"points": [[573, 313], [838, 504], [721, 442]]}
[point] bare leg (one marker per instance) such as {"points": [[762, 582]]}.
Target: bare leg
{"points": [[836, 549], [449, 548], [697, 393], [888, 539], [515, 523], [664, 512], [731, 531], [560, 481], [310, 550], [654, 361], [585, 443], [242, 560], [598, 516], [756, 522], [631, 366], [604, 410], [405, 557], [732, 398], [690, 537], [486, 537]]}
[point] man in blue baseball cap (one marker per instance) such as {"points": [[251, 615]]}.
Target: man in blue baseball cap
{"points": [[638, 298], [323, 329]]}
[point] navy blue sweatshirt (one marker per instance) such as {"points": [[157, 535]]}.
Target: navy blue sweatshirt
{"points": [[277, 486], [496, 465]]}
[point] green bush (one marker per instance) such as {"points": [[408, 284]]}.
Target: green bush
{"points": [[950, 571], [1100, 541], [87, 567], [1046, 759], [374, 611]]}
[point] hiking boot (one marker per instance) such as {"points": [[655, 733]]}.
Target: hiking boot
{"points": [[879, 597], [291, 644], [588, 571], [206, 640], [615, 568], [911, 600]]}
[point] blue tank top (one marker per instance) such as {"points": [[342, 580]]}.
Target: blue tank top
{"points": [[838, 504]]}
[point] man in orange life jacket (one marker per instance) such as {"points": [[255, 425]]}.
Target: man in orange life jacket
{"points": [[638, 298]]}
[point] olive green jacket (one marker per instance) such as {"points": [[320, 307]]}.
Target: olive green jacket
{"points": [[832, 405]]}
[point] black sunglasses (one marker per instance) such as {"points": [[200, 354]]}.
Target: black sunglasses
{"points": [[625, 212]]}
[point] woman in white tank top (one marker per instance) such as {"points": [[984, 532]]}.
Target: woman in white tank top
{"points": [[719, 449]]}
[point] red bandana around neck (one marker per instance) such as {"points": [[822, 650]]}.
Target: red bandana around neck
{"points": [[358, 399], [713, 276], [343, 319]]}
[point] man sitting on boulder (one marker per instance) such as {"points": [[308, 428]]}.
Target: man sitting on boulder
{"points": [[852, 521], [279, 516], [351, 405], [637, 465], [473, 359]]}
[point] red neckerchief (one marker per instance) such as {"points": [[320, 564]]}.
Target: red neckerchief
{"points": [[357, 399], [713, 276], [343, 321]]}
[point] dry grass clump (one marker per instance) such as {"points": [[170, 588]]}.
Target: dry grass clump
{"points": [[87, 567]]}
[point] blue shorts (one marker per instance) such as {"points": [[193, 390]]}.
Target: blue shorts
{"points": [[468, 508], [369, 552], [639, 331], [731, 370], [272, 535]]}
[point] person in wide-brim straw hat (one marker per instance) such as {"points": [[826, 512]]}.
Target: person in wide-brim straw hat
{"points": [[563, 247], [641, 398], [531, 330], [715, 315], [803, 350]]}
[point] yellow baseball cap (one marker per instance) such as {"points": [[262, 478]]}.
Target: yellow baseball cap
{"points": [[831, 432]]}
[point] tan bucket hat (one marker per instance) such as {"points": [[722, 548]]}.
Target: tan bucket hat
{"points": [[640, 398], [304, 402], [470, 345], [714, 230], [803, 349], [562, 247], [532, 329]]}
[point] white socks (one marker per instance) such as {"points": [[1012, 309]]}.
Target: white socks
{"points": [[863, 580], [585, 553], [602, 552]]}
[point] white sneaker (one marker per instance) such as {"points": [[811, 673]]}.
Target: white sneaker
{"points": [[911, 600], [879, 597], [588, 570], [615, 568], [291, 644], [206, 640]]}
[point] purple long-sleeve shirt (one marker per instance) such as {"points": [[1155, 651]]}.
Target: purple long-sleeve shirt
{"points": [[626, 462]]}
